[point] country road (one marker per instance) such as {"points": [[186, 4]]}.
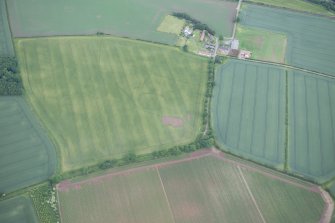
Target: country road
{"points": [[237, 13]]}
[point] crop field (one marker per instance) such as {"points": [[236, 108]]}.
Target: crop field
{"points": [[26, 155], [312, 125], [277, 201], [248, 111], [300, 5], [134, 18], [309, 38], [263, 44], [171, 24], [102, 97], [17, 210], [202, 188], [6, 45]]}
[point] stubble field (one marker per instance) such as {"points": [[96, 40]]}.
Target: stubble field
{"points": [[103, 97]]}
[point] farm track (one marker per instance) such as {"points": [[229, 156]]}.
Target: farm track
{"points": [[329, 206], [292, 67]]}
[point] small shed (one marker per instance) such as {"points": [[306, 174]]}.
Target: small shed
{"points": [[202, 37], [188, 31]]}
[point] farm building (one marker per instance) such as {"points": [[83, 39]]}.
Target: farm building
{"points": [[188, 31], [244, 54], [202, 37], [235, 44]]}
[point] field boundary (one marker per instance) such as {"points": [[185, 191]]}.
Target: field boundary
{"points": [[291, 67], [290, 9], [329, 205], [165, 195], [250, 193]]}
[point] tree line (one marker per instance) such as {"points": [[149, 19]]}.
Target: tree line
{"points": [[329, 5], [10, 80], [196, 23]]}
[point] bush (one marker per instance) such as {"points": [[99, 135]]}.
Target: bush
{"points": [[196, 23], [10, 80], [107, 164], [130, 158]]}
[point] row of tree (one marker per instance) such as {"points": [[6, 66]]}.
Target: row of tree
{"points": [[10, 80], [196, 23], [329, 5]]}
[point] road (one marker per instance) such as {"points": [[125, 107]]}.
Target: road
{"points": [[237, 13]]}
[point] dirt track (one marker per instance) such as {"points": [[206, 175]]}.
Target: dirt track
{"points": [[329, 205]]}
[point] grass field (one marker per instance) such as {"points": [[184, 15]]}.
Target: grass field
{"points": [[312, 125], [134, 18], [309, 38], [300, 5], [171, 24], [203, 189], [6, 44], [263, 44], [248, 111], [17, 210], [26, 154], [102, 97]]}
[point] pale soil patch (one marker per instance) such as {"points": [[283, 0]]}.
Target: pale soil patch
{"points": [[173, 121]]}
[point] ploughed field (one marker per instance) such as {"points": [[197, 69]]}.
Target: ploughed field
{"points": [[282, 118], [102, 97], [17, 210], [26, 155], [135, 18], [200, 188], [309, 38], [6, 45]]}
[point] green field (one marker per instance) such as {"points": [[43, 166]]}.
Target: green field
{"points": [[312, 125], [133, 18], [310, 42], [248, 111], [171, 24], [17, 210], [263, 44], [205, 189], [6, 44], [300, 5], [26, 154], [102, 97]]}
